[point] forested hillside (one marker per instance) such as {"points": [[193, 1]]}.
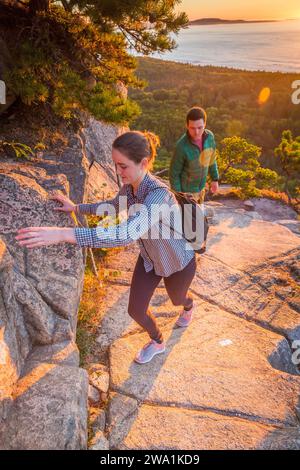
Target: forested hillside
{"points": [[231, 98]]}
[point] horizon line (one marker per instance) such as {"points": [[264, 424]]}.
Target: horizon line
{"points": [[243, 19]]}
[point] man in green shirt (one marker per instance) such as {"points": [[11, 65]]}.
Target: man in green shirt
{"points": [[194, 158]]}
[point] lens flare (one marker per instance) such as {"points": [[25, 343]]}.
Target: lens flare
{"points": [[264, 95]]}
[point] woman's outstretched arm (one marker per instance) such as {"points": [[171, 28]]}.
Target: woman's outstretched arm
{"points": [[35, 237], [124, 233]]}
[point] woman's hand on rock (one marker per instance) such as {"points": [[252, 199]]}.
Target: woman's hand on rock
{"points": [[35, 237], [67, 204]]}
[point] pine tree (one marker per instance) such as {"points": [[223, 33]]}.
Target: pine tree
{"points": [[239, 165], [73, 55], [288, 155]]}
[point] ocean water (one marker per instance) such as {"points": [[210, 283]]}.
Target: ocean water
{"points": [[253, 46]]}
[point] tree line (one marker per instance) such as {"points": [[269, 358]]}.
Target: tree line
{"points": [[257, 137]]}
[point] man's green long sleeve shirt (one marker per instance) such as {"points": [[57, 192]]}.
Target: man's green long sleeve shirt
{"points": [[190, 166]]}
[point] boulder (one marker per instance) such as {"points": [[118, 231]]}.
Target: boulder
{"points": [[49, 411], [99, 442], [249, 206], [41, 386]]}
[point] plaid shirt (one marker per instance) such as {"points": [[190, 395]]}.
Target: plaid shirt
{"points": [[165, 255]]}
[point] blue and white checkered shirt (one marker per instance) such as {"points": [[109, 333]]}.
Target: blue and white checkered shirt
{"points": [[166, 255]]}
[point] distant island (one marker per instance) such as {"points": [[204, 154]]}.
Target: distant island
{"points": [[207, 21]]}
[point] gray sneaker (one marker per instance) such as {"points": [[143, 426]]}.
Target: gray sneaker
{"points": [[149, 351], [185, 318]]}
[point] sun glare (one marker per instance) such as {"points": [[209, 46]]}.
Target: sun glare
{"points": [[264, 95]]}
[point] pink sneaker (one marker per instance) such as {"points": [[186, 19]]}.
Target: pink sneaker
{"points": [[185, 318], [149, 351]]}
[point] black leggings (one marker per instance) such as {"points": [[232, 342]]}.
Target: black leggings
{"points": [[143, 285]]}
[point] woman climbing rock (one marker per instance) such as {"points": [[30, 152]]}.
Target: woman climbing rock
{"points": [[163, 254]]}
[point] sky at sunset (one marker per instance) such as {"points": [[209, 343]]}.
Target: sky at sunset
{"points": [[235, 9]]}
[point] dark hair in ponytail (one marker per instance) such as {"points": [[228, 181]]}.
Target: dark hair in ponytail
{"points": [[137, 145]]}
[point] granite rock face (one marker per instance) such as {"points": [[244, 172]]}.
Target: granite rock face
{"points": [[40, 291], [49, 411], [231, 379], [98, 139], [42, 388]]}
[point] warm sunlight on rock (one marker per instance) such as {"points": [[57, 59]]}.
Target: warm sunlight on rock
{"points": [[29, 380], [264, 95]]}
